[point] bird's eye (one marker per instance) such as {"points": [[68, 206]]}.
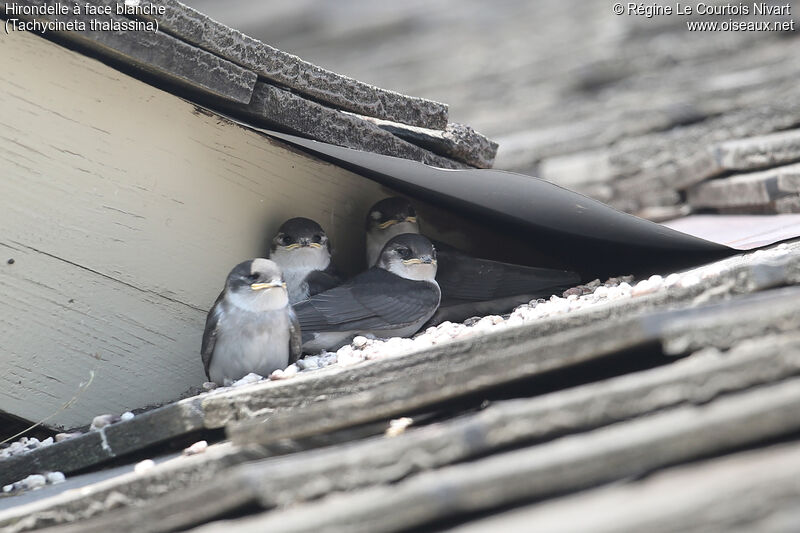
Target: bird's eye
{"points": [[285, 240], [404, 252], [317, 238], [252, 278], [376, 215]]}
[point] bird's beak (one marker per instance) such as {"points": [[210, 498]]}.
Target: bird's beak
{"points": [[425, 260], [393, 221], [304, 243], [270, 285]]}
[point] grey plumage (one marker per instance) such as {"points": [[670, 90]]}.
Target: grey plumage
{"points": [[470, 286], [302, 250], [251, 327], [393, 298]]}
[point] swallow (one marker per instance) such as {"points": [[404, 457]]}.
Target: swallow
{"points": [[394, 298], [303, 252], [251, 327], [470, 286]]}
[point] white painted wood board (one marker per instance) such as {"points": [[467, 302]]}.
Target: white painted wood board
{"points": [[124, 207]]}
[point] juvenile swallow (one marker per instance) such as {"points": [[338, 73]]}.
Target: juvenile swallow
{"points": [[251, 327], [470, 286], [394, 298], [303, 252], [387, 218]]}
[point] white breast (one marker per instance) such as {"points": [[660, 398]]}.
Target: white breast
{"points": [[296, 265], [249, 342]]}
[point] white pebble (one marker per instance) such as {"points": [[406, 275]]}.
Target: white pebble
{"points": [[53, 478], [359, 341], [101, 421], [127, 415], [398, 426], [209, 385], [144, 466], [689, 280], [515, 320], [671, 280], [601, 291], [643, 287], [248, 379], [35, 481], [198, 447], [66, 436]]}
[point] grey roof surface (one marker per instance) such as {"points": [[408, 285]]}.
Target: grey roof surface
{"points": [[699, 365], [630, 110], [220, 66]]}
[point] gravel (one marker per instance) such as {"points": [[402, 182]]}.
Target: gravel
{"points": [[592, 294], [34, 481], [23, 446]]}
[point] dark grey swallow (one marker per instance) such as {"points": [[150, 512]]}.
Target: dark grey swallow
{"points": [[387, 218], [392, 299], [470, 286], [302, 249], [251, 327]]}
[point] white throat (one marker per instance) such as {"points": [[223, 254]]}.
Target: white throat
{"points": [[258, 301], [377, 239], [297, 264], [416, 272]]}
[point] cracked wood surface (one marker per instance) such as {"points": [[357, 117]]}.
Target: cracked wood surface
{"points": [[743, 492], [705, 376]]}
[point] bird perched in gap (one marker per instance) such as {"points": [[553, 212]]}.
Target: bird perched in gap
{"points": [[387, 218], [302, 249], [470, 286], [394, 298], [251, 327]]}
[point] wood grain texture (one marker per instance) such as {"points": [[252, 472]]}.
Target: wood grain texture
{"points": [[124, 208]]}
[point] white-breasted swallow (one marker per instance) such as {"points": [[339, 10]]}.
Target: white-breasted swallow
{"points": [[470, 286], [303, 252], [251, 327], [394, 298]]}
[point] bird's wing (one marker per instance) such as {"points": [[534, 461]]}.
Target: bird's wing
{"points": [[322, 280], [373, 300], [463, 277], [210, 333], [295, 337]]}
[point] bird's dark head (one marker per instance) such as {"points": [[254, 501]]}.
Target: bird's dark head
{"points": [[300, 232], [392, 214], [256, 285], [410, 256], [301, 243]]}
